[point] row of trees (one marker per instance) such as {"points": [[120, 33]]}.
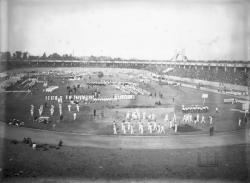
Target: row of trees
{"points": [[21, 56], [18, 55]]}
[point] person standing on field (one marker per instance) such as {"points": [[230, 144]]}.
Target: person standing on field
{"points": [[123, 128], [78, 108], [175, 127], [131, 129], [69, 107], [239, 123], [114, 128], [203, 119], [140, 128]]}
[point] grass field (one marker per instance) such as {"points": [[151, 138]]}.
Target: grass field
{"points": [[17, 105]]}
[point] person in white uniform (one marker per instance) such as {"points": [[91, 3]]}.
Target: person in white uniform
{"points": [[60, 107], [171, 123], [123, 128], [198, 118], [203, 119], [154, 125], [40, 110], [131, 129], [210, 120], [150, 128], [127, 116], [159, 129], [52, 110], [69, 107], [126, 123], [32, 110], [140, 128], [166, 118], [144, 115], [153, 117], [239, 123], [175, 127], [162, 129], [77, 108], [114, 128], [190, 118]]}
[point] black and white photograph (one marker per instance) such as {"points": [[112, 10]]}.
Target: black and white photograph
{"points": [[124, 91]]}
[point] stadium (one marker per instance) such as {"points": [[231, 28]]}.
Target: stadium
{"points": [[145, 105], [124, 91]]}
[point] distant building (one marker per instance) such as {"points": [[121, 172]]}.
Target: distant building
{"points": [[179, 56]]}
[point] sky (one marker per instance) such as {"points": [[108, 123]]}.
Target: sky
{"points": [[144, 29]]}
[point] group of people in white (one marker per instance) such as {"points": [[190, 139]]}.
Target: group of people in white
{"points": [[77, 109], [54, 98], [88, 98], [115, 98], [50, 89], [131, 88], [141, 123], [189, 118], [11, 79], [194, 109], [28, 83], [139, 128], [79, 97], [59, 100], [52, 110]]}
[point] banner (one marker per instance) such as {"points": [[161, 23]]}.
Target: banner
{"points": [[204, 95], [229, 100], [245, 106]]}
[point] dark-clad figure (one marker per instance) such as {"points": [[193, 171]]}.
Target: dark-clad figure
{"points": [[60, 143], [211, 130]]}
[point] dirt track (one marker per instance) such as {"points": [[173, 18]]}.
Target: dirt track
{"points": [[135, 142]]}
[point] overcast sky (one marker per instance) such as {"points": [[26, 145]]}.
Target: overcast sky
{"points": [[129, 29]]}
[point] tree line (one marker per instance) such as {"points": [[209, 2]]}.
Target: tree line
{"points": [[22, 56]]}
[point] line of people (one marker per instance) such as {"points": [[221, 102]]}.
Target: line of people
{"points": [[195, 109], [130, 128], [189, 118]]}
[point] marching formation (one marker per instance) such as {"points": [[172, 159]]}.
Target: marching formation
{"points": [[139, 128], [195, 109], [89, 98], [142, 123]]}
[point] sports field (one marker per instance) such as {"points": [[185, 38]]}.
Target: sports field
{"points": [[171, 98]]}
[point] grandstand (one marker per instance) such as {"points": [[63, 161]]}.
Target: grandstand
{"points": [[233, 72]]}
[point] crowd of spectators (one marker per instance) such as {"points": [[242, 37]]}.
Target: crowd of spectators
{"points": [[221, 75], [238, 77]]}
